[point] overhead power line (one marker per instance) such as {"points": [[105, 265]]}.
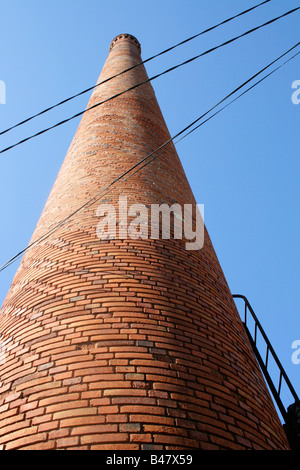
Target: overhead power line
{"points": [[151, 79], [134, 66], [248, 89], [146, 160]]}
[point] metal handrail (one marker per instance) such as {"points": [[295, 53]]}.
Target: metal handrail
{"points": [[264, 363]]}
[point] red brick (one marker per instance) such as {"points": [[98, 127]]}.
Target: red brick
{"points": [[24, 442], [58, 433], [49, 445], [155, 410], [126, 344], [49, 426], [67, 442], [15, 434], [101, 438], [74, 412], [117, 447], [81, 421], [143, 437], [152, 419], [94, 429]]}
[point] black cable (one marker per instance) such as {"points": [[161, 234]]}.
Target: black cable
{"points": [[239, 96], [248, 89], [144, 160], [150, 79], [224, 107], [134, 66]]}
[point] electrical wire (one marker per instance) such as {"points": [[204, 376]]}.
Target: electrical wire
{"points": [[144, 161], [151, 79], [134, 66]]}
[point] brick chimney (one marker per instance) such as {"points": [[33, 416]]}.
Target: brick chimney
{"points": [[125, 342]]}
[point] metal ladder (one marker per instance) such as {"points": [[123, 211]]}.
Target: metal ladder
{"points": [[291, 415]]}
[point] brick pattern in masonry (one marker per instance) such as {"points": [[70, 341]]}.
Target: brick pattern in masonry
{"points": [[123, 343]]}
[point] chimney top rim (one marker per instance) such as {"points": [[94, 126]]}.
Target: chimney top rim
{"points": [[127, 36]]}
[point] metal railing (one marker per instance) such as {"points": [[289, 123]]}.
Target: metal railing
{"points": [[264, 362]]}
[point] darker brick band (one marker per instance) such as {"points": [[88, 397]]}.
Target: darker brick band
{"points": [[127, 37], [125, 344]]}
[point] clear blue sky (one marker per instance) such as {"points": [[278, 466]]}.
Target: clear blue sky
{"points": [[243, 165]]}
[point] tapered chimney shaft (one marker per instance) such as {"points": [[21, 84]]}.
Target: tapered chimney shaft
{"points": [[126, 342]]}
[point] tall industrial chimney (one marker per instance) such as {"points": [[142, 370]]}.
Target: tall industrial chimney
{"points": [[126, 342]]}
